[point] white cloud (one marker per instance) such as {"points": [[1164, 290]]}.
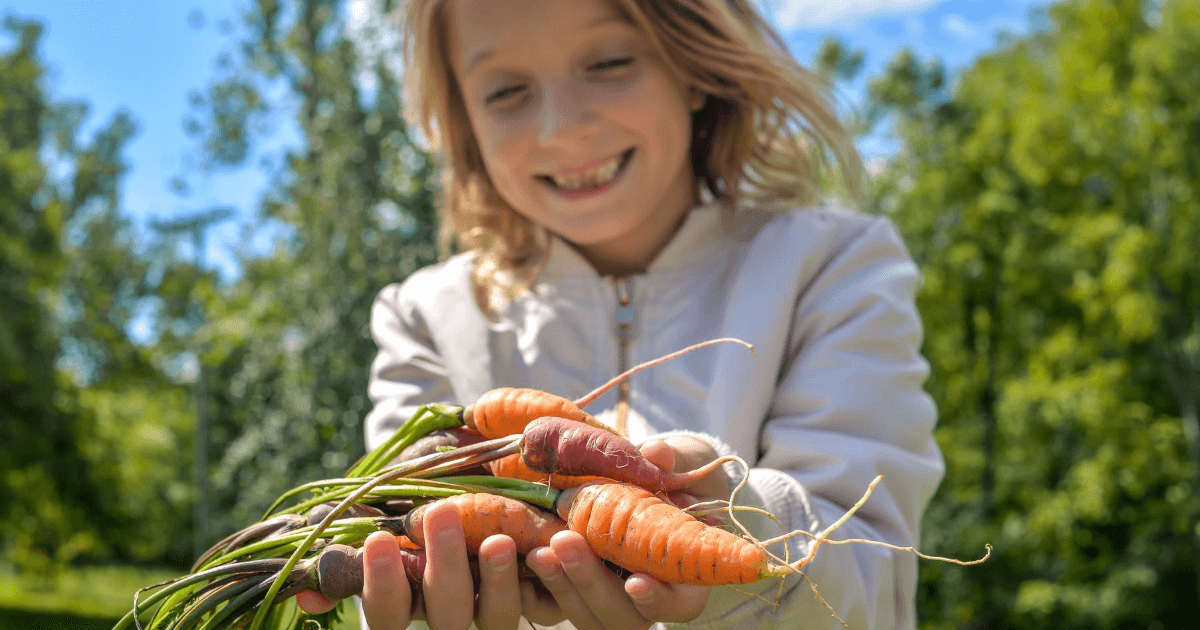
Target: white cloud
{"points": [[959, 26], [790, 15]]}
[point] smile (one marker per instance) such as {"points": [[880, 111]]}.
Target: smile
{"points": [[593, 180]]}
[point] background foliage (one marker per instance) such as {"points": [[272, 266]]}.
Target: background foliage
{"points": [[1050, 192]]}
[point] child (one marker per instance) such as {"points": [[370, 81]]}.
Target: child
{"points": [[624, 179]]}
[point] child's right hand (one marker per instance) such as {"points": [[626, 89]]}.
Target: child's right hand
{"points": [[448, 601]]}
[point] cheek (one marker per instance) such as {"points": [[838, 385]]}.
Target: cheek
{"points": [[660, 114], [503, 154]]}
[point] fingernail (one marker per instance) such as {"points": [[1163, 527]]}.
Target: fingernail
{"points": [[501, 561], [639, 591], [448, 534], [379, 562], [544, 567], [378, 551], [570, 557]]}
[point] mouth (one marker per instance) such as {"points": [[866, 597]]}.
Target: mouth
{"points": [[593, 181]]}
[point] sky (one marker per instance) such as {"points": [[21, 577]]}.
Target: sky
{"points": [[145, 56]]}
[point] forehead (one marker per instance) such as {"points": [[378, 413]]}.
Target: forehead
{"points": [[481, 28]]}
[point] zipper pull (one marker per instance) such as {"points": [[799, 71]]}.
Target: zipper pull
{"points": [[625, 321], [624, 316]]}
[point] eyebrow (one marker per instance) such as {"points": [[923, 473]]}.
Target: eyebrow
{"points": [[488, 53]]}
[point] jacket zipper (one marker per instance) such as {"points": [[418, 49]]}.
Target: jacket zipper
{"points": [[624, 338]]}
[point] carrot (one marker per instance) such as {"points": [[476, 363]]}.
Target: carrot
{"points": [[506, 411], [513, 467], [358, 510], [561, 447], [262, 530], [639, 531], [485, 514], [431, 443], [337, 573]]}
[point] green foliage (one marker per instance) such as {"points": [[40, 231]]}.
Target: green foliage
{"points": [[84, 410], [43, 482], [1053, 203], [288, 345]]}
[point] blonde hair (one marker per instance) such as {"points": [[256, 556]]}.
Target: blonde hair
{"points": [[767, 134]]}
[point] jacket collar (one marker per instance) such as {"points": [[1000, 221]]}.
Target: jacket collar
{"points": [[701, 230]]}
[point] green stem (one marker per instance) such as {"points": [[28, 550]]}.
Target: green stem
{"points": [[466, 451], [240, 605], [424, 421], [191, 617], [538, 494], [178, 584], [315, 485], [264, 546]]}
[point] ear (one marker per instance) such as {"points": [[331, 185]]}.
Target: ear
{"points": [[696, 99]]}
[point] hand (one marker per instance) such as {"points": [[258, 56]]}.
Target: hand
{"points": [[594, 598], [681, 453], [448, 591], [383, 579]]}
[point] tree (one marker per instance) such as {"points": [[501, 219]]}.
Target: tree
{"points": [[88, 422], [289, 345], [1051, 202], [33, 426]]}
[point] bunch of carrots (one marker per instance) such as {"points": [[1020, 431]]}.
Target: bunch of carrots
{"points": [[520, 462]]}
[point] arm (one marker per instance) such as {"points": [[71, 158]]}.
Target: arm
{"points": [[848, 406], [407, 371]]}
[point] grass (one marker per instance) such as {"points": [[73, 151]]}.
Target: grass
{"points": [[98, 592], [87, 598]]}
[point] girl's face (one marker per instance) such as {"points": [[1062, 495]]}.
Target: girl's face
{"points": [[581, 127]]}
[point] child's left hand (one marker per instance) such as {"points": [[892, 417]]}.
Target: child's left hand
{"points": [[594, 598]]}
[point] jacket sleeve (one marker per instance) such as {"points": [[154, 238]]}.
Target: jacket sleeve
{"points": [[407, 371], [848, 406]]}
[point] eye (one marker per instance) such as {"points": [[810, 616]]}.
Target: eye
{"points": [[612, 64], [503, 94]]}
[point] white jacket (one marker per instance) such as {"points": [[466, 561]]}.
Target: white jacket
{"points": [[831, 397]]}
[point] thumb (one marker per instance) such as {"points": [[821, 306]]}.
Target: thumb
{"points": [[659, 453]]}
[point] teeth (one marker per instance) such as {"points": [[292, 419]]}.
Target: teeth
{"points": [[598, 176]]}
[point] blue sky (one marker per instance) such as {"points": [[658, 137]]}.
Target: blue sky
{"points": [[146, 55]]}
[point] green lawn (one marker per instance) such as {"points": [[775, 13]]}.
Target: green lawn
{"points": [[26, 620], [91, 598]]}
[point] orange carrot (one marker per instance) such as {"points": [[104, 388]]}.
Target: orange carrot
{"points": [[639, 531], [506, 411], [513, 467], [485, 514]]}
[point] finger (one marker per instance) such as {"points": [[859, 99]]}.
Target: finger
{"points": [[387, 600], [605, 591], [448, 588], [314, 603], [549, 570], [589, 594], [659, 453], [499, 590], [670, 603], [539, 607]]}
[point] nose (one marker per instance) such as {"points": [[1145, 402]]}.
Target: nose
{"points": [[567, 118]]}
